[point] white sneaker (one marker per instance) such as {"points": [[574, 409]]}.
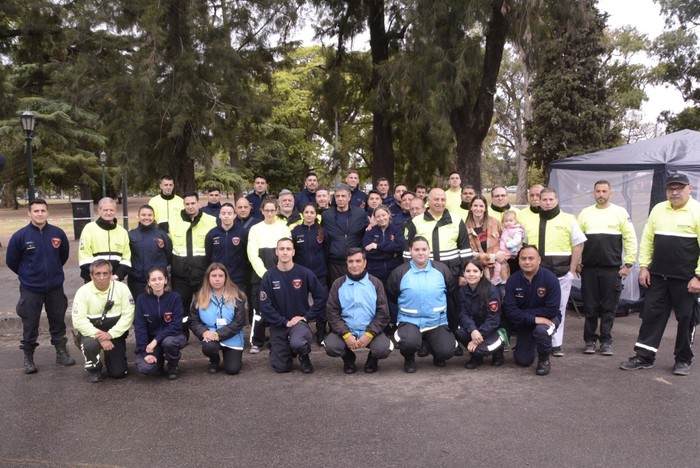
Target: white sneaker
{"points": [[254, 349]]}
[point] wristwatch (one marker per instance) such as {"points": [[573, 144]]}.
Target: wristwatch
{"points": [[629, 265]]}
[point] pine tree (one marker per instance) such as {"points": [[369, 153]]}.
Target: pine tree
{"points": [[571, 113]]}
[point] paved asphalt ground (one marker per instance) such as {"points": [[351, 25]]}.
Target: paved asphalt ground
{"points": [[587, 412]]}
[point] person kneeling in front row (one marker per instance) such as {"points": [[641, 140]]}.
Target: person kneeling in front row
{"points": [[357, 311], [103, 311], [422, 289], [479, 317], [158, 326], [284, 302], [217, 317], [531, 310]]}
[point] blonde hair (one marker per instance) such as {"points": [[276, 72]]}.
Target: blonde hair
{"points": [[510, 212], [230, 293]]}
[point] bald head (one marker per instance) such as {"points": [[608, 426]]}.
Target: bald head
{"points": [[436, 202]]}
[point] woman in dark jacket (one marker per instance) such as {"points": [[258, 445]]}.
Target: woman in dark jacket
{"points": [[479, 317], [384, 245], [310, 246], [311, 251], [158, 326], [150, 247], [217, 317]]}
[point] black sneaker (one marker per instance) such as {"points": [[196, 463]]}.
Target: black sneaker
{"points": [[459, 351], [319, 338], [542, 366], [590, 348], [305, 364], [606, 349], [94, 377], [557, 352], [681, 368], [213, 366], [474, 362], [372, 364], [636, 363], [409, 365]]}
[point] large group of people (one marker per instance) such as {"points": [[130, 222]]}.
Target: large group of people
{"points": [[429, 272]]}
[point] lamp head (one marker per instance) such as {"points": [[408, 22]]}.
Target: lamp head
{"points": [[28, 121]]}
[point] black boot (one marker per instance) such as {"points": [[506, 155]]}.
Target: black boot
{"points": [[62, 356], [542, 364], [305, 364], [172, 370], [319, 338], [29, 366], [372, 364], [497, 359], [349, 366], [320, 333], [424, 349], [474, 362], [214, 365], [439, 362], [409, 364]]}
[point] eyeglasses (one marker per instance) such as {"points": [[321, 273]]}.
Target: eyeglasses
{"points": [[269, 211], [675, 189]]}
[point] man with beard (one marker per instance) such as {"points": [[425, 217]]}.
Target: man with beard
{"points": [[188, 232], [609, 232], [256, 197], [308, 194]]}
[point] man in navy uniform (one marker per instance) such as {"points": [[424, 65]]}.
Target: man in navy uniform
{"points": [[37, 253], [284, 303]]}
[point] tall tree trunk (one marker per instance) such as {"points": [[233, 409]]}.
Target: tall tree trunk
{"points": [[184, 163], [382, 149], [521, 142], [86, 192], [471, 124]]}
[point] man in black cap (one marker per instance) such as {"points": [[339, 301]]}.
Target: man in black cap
{"points": [[669, 260]]}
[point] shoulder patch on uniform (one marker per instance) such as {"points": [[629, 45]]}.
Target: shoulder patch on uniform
{"points": [[56, 242], [236, 240], [160, 242], [263, 296], [493, 306], [296, 282], [541, 292]]}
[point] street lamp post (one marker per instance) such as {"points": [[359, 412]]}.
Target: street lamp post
{"points": [[103, 160], [28, 123]]}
